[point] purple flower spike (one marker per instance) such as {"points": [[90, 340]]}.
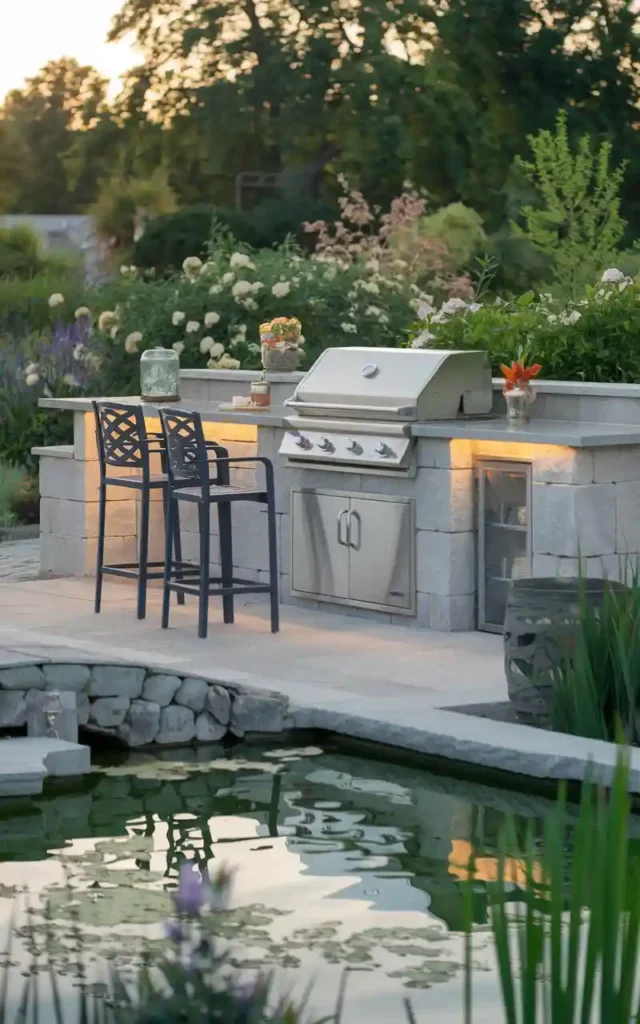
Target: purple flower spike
{"points": [[192, 893]]}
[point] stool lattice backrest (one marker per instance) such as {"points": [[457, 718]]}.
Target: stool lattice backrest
{"points": [[186, 447], [121, 436]]}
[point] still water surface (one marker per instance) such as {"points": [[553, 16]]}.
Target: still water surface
{"points": [[341, 861]]}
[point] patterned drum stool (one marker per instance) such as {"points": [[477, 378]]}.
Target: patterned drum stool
{"points": [[540, 623]]}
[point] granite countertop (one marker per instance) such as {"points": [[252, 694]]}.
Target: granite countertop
{"points": [[568, 433], [210, 411]]}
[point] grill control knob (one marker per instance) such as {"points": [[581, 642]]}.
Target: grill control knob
{"points": [[325, 445], [304, 443], [354, 447], [384, 450]]}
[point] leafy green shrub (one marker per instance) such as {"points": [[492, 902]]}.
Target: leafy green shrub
{"points": [[459, 228], [167, 241], [594, 338], [275, 219], [24, 302], [19, 252]]}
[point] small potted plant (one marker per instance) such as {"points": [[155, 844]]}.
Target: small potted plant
{"points": [[281, 341], [518, 392]]}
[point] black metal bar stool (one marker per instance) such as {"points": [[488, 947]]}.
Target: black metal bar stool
{"points": [[124, 443], [196, 478]]}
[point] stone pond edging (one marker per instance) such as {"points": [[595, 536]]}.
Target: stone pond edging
{"points": [[141, 706], [114, 702]]}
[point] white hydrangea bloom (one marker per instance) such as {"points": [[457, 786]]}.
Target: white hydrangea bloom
{"points": [[373, 311], [216, 350], [178, 347], [107, 319], [248, 303], [177, 318], [229, 277], [228, 363], [425, 309], [280, 289], [82, 311], [206, 345], [215, 289], [240, 289], [454, 305], [70, 380], [256, 286], [31, 379], [56, 300], [211, 319], [131, 342], [31, 368], [348, 328], [473, 307], [369, 286], [240, 259], [192, 266], [570, 318], [422, 340], [192, 327], [612, 276]]}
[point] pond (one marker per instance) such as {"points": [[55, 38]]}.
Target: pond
{"points": [[341, 861]]}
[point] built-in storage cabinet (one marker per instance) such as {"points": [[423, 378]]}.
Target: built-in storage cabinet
{"points": [[354, 550], [504, 535]]}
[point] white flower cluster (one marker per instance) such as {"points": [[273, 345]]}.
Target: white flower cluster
{"points": [[428, 313]]}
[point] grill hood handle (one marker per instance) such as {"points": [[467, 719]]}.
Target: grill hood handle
{"points": [[395, 410]]}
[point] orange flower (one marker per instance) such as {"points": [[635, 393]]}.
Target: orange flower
{"points": [[518, 375]]}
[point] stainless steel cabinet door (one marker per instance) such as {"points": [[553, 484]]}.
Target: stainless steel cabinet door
{"points": [[320, 557], [381, 542]]}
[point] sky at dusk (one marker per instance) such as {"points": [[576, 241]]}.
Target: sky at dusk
{"points": [[35, 31]]}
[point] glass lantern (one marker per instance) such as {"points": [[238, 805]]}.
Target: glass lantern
{"points": [[160, 375]]}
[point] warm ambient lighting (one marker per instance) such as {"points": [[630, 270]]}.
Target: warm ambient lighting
{"points": [[212, 431], [463, 452], [486, 868]]}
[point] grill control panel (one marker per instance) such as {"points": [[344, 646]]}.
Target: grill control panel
{"points": [[338, 449]]}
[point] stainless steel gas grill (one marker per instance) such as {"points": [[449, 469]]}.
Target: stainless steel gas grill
{"points": [[355, 406]]}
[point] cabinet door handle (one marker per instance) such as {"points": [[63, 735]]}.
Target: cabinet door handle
{"points": [[354, 517], [344, 543]]}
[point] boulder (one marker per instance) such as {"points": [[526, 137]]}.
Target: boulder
{"points": [[108, 712], [177, 725], [13, 708], [116, 681], [27, 677], [141, 724], [192, 694], [218, 704], [161, 689], [66, 677], [253, 713], [208, 730]]}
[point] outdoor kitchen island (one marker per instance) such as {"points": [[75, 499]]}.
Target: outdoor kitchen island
{"points": [[433, 539]]}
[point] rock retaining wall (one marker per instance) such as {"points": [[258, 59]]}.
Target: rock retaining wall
{"points": [[139, 706]]}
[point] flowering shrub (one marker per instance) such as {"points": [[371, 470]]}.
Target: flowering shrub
{"points": [[212, 311], [594, 338]]}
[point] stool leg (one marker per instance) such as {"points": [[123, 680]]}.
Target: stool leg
{"points": [[169, 512], [102, 514], [226, 557], [143, 556], [203, 596], [177, 542], [273, 559]]}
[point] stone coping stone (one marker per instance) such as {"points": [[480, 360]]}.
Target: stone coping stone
{"points": [[25, 762], [409, 724]]}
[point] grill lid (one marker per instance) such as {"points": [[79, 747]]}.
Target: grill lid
{"points": [[390, 383]]}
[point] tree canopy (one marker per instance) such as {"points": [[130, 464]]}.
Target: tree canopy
{"points": [[443, 93]]}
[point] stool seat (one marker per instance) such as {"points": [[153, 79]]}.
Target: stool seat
{"points": [[219, 492], [154, 480]]}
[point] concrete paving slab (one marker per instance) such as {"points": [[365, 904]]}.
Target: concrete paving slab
{"points": [[384, 683], [25, 762]]}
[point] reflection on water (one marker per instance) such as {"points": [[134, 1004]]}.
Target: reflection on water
{"points": [[339, 861]]}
